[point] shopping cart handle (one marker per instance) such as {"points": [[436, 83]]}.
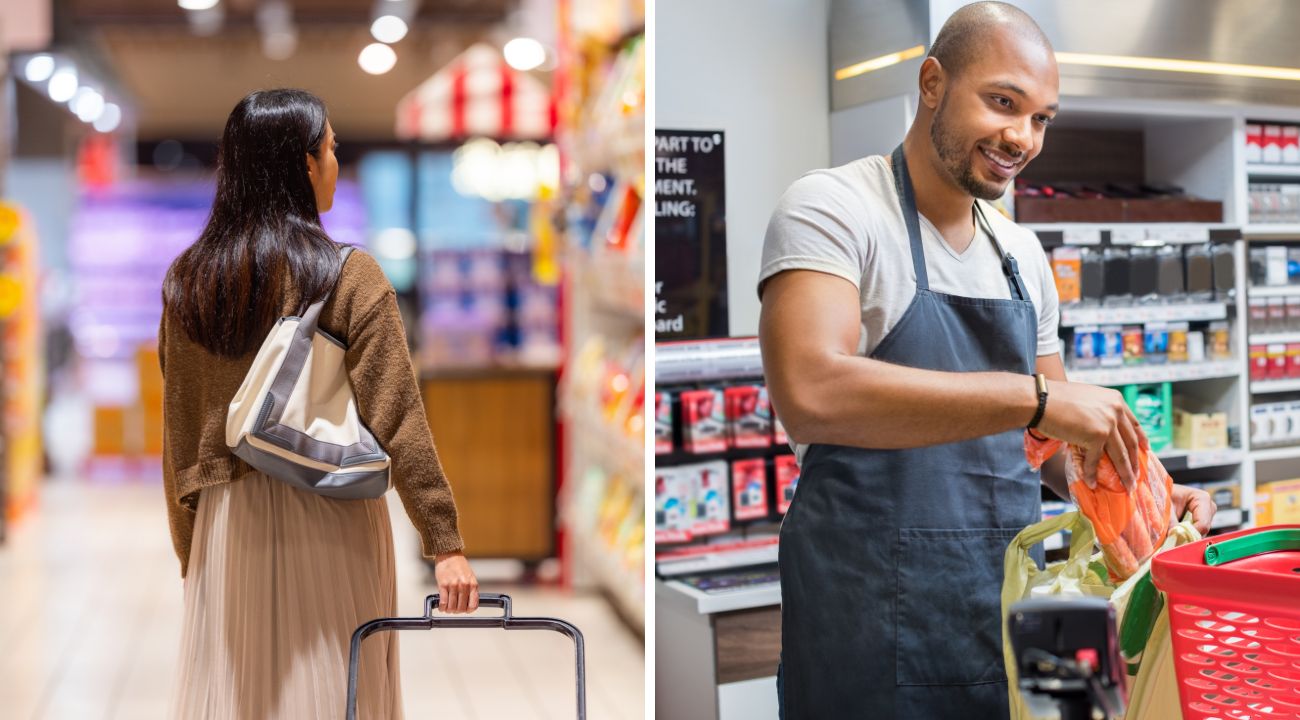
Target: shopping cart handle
{"points": [[484, 600], [1253, 544]]}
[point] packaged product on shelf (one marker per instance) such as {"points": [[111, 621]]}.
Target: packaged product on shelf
{"points": [[1170, 280], [1153, 405], [1195, 346], [1258, 266], [1290, 144], [1292, 314], [749, 488], [1219, 341], [1086, 349], [1276, 361], [1261, 425], [778, 431], [1092, 278], [749, 416], [1177, 342], [1277, 314], [674, 497], [712, 498], [1258, 314], [1118, 276], [1225, 272], [663, 423], [1200, 431], [1156, 342], [1225, 493], [1200, 272], [704, 423], [1258, 362], [1254, 142], [1112, 345], [1276, 265], [1278, 503], [1272, 144], [1292, 360], [1144, 271], [1134, 343], [787, 480], [1067, 266]]}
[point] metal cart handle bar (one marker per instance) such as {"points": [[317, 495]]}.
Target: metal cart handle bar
{"points": [[1253, 544], [505, 621]]}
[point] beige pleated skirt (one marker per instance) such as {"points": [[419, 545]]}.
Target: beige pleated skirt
{"points": [[278, 579]]}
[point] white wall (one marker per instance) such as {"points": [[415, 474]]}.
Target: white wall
{"points": [[758, 71]]}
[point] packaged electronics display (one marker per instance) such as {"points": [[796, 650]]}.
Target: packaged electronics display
{"points": [[749, 416], [1067, 268], [704, 422], [787, 480], [674, 498], [1154, 406], [712, 494], [1130, 525], [749, 488], [663, 423]]}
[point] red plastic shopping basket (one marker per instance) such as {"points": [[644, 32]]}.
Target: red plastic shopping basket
{"points": [[1234, 620]]}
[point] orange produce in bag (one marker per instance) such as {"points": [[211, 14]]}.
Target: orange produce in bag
{"points": [[1129, 525]]}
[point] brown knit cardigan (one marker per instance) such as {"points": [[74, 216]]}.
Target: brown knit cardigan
{"points": [[198, 387]]}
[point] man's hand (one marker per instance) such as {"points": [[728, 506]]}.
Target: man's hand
{"points": [[457, 585], [1197, 502], [1099, 421]]}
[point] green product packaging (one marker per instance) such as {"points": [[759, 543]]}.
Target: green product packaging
{"points": [[1154, 407]]}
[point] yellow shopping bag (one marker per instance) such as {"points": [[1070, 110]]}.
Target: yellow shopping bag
{"points": [[1083, 573]]}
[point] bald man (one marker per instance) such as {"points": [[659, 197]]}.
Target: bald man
{"points": [[909, 336]]}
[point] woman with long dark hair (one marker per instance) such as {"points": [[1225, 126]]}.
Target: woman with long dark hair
{"points": [[276, 578]]}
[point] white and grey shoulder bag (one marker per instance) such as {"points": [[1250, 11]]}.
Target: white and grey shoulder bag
{"points": [[295, 415]]}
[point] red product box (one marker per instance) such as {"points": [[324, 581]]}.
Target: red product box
{"points": [[704, 423], [712, 498], [1272, 143], [1293, 361], [749, 416], [1254, 142], [1258, 362], [1276, 362], [663, 423], [778, 431], [749, 489], [787, 479]]}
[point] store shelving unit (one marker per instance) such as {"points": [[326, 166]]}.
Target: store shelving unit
{"points": [[603, 386], [1272, 171]]}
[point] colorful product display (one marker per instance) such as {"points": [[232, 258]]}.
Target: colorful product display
{"points": [[749, 488], [663, 423], [787, 481], [1152, 343], [1154, 406], [1275, 424], [749, 416], [704, 423]]}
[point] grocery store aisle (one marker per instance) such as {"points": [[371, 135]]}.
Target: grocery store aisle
{"points": [[90, 610]]}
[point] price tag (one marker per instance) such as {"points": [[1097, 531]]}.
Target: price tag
{"points": [[1081, 236]]}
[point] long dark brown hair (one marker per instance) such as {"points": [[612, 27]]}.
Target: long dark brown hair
{"points": [[264, 234]]}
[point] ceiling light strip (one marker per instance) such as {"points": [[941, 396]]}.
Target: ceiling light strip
{"points": [[883, 61], [1184, 66]]}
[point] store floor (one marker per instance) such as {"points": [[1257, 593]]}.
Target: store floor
{"points": [[90, 611]]}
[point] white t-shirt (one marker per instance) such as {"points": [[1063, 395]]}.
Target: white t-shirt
{"points": [[846, 221]]}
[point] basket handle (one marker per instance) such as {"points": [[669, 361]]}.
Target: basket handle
{"points": [[1252, 544]]}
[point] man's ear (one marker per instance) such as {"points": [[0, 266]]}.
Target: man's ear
{"points": [[933, 82]]}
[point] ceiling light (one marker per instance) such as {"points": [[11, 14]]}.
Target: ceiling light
{"points": [[39, 68], [377, 59], [388, 29], [883, 61], [197, 4], [524, 53], [63, 84], [1184, 66], [109, 119], [88, 105]]}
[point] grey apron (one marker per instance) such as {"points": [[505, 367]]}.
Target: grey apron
{"points": [[891, 561]]}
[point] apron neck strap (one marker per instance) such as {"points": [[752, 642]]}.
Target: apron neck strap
{"points": [[912, 219]]}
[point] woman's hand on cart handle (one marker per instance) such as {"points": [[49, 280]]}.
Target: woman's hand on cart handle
{"points": [[457, 585]]}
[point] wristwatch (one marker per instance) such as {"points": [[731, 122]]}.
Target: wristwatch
{"points": [[1040, 381]]}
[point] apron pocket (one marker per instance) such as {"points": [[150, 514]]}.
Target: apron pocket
{"points": [[949, 606]]}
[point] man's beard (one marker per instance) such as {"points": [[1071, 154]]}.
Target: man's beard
{"points": [[958, 162]]}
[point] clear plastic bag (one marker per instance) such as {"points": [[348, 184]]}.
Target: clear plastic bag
{"points": [[1130, 526]]}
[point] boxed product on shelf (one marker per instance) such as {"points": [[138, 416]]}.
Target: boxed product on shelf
{"points": [[704, 422], [1092, 276], [1290, 144], [749, 416], [1276, 361], [1225, 271], [1258, 362], [1153, 406], [1195, 346], [1156, 342], [1118, 276], [787, 481], [1272, 144], [1254, 142], [1277, 503], [1112, 350], [1087, 347], [1225, 493], [749, 488], [1275, 424], [1177, 350], [663, 423], [1219, 341], [1067, 267], [712, 497], [1134, 345], [1198, 264], [1144, 270], [674, 500], [1200, 431]]}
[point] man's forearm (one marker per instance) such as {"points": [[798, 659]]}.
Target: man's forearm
{"points": [[856, 401]]}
